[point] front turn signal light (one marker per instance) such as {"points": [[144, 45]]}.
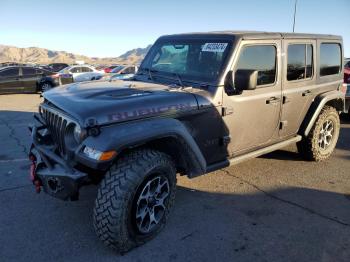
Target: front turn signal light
{"points": [[99, 155], [107, 155]]}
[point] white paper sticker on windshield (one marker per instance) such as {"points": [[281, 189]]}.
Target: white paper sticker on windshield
{"points": [[214, 47]]}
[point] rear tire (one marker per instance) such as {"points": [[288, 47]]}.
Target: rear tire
{"points": [[127, 210], [322, 139]]}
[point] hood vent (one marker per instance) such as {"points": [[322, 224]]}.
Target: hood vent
{"points": [[128, 93]]}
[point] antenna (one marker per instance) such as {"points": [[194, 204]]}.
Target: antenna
{"points": [[295, 13]]}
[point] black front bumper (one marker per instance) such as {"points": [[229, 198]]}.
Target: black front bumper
{"points": [[50, 171]]}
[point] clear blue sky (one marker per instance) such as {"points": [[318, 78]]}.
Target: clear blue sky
{"points": [[109, 28]]}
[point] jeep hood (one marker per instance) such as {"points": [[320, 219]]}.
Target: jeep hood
{"points": [[101, 102]]}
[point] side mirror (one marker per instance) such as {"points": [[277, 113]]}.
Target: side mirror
{"points": [[246, 79], [229, 85], [242, 79]]}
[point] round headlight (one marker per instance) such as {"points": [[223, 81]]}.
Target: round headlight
{"points": [[77, 133]]}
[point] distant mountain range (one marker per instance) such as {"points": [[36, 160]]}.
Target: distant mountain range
{"points": [[45, 56]]}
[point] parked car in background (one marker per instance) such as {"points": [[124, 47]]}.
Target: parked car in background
{"points": [[56, 67], [82, 73], [121, 72], [347, 83], [28, 79], [100, 67], [347, 63], [110, 68]]}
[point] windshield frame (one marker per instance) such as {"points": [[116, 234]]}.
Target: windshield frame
{"points": [[182, 39]]}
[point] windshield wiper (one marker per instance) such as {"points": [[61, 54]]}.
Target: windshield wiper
{"points": [[179, 79], [150, 71]]}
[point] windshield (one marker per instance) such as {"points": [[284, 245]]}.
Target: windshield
{"points": [[117, 69], [198, 60]]}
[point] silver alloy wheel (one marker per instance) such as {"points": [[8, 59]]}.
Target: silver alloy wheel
{"points": [[150, 206], [45, 87], [326, 135]]}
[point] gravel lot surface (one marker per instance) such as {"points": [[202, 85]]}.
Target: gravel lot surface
{"points": [[273, 208]]}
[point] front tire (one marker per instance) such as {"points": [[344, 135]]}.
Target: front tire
{"points": [[322, 139], [134, 199], [45, 86]]}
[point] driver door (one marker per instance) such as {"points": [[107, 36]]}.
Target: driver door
{"points": [[252, 117]]}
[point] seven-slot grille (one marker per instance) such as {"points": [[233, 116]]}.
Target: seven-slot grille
{"points": [[57, 126]]}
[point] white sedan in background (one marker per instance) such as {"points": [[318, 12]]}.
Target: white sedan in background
{"points": [[82, 73]]}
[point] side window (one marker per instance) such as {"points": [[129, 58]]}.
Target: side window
{"points": [[10, 72], [75, 70], [86, 69], [261, 58], [129, 70], [28, 71], [300, 64], [330, 59], [132, 70], [39, 71]]}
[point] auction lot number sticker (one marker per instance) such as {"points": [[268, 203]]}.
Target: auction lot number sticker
{"points": [[214, 47]]}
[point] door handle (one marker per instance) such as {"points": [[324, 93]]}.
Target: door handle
{"points": [[273, 100], [307, 93]]}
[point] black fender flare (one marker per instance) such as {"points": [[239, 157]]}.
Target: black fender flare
{"points": [[334, 98], [133, 134]]}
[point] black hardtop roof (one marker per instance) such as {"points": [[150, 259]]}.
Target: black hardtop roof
{"points": [[255, 35]]}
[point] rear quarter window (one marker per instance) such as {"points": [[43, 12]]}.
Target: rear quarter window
{"points": [[28, 71], [330, 59], [86, 69]]}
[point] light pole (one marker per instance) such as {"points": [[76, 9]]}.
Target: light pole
{"points": [[295, 13]]}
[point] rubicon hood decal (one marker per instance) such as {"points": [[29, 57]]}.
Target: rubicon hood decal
{"points": [[116, 101], [148, 111]]}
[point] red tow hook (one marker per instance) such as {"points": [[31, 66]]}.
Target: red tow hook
{"points": [[36, 181]]}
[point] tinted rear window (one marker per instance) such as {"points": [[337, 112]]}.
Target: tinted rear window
{"points": [[86, 69], [330, 59], [28, 71]]}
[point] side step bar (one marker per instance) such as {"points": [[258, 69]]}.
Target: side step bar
{"points": [[254, 154]]}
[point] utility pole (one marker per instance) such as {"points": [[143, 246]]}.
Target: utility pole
{"points": [[295, 13]]}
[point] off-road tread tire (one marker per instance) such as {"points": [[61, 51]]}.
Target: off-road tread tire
{"points": [[116, 192], [308, 146]]}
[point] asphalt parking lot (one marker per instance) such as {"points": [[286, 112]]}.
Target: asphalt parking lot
{"points": [[273, 208]]}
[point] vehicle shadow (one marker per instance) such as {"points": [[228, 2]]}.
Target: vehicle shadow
{"points": [[290, 224]]}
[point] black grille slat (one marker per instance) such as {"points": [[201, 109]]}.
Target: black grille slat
{"points": [[63, 130], [57, 126], [58, 132]]}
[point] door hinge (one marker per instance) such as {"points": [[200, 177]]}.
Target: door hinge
{"points": [[285, 100], [226, 111], [283, 124]]}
